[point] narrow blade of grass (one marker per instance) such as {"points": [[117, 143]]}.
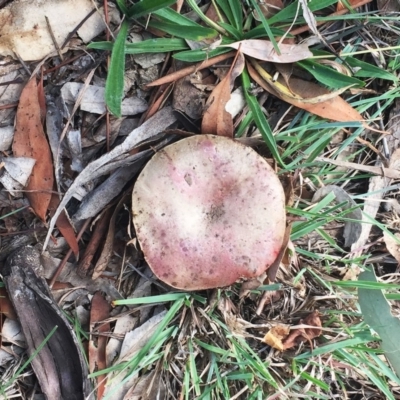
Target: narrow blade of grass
{"points": [[159, 45], [260, 119], [144, 7]]}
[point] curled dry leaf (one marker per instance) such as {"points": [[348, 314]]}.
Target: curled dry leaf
{"points": [[30, 141], [191, 208], [275, 336], [217, 120], [299, 335], [264, 50], [307, 96]]}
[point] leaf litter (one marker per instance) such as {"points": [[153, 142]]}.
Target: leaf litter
{"points": [[90, 178]]}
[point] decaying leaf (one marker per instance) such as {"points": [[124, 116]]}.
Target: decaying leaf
{"points": [[148, 387], [107, 250], [64, 225], [217, 120], [98, 340], [275, 336], [393, 245], [352, 229], [30, 141], [60, 377], [133, 342], [24, 31], [16, 173], [307, 96], [299, 335], [93, 99], [264, 50]]}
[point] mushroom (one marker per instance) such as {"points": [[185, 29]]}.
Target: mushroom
{"points": [[208, 212]]}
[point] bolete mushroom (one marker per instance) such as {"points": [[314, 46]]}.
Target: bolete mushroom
{"points": [[208, 211]]}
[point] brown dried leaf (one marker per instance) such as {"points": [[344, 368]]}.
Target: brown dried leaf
{"points": [[264, 50], [393, 245], [273, 269], [30, 141], [149, 387], [299, 335], [64, 225], [107, 250], [217, 120], [6, 307], [307, 96], [97, 344], [59, 365], [97, 238], [275, 336]]}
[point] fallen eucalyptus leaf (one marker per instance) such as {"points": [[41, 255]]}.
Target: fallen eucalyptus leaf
{"points": [[60, 377], [264, 50]]}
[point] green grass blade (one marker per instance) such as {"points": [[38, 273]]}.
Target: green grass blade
{"points": [[115, 77], [163, 298], [233, 11], [366, 70], [199, 55], [195, 33], [208, 21], [159, 45], [329, 77], [122, 6], [145, 7], [259, 118]]}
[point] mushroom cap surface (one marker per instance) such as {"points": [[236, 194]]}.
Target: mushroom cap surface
{"points": [[208, 211]]}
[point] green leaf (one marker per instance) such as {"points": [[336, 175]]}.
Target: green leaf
{"points": [[144, 7], [159, 45], [377, 314], [362, 69], [122, 6], [366, 70], [328, 76], [115, 77], [196, 33], [233, 11], [259, 118], [232, 30], [199, 55], [208, 21]]}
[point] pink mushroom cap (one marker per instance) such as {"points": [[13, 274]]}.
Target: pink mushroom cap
{"points": [[208, 212]]}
